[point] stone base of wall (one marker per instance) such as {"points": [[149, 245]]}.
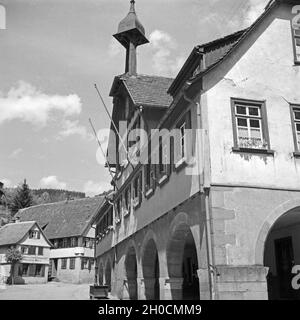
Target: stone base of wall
{"points": [[242, 283]]}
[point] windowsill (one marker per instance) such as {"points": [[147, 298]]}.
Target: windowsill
{"points": [[253, 150], [163, 179], [180, 163], [296, 154], [149, 193]]}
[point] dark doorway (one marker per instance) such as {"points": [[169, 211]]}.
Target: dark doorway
{"points": [[284, 254]]}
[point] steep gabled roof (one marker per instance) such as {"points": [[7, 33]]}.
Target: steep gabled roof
{"points": [[148, 91], [210, 52], [12, 233], [63, 219]]}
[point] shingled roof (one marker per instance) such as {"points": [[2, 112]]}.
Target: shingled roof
{"points": [[145, 90], [63, 219], [13, 233]]}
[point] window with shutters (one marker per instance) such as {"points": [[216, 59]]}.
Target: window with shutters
{"points": [[250, 125]]}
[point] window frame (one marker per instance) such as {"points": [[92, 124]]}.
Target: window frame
{"points": [[64, 262], [294, 122], [72, 263], [263, 123], [294, 38]]}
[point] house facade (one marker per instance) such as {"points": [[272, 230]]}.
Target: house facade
{"points": [[68, 227], [29, 239], [219, 218]]}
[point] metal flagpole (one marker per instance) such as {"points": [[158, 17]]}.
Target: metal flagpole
{"points": [[114, 125], [109, 168]]}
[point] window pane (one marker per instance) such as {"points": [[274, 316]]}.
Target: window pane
{"points": [[298, 127], [255, 133], [241, 110], [253, 111], [297, 41], [254, 124], [243, 132], [297, 32], [297, 114], [242, 122]]}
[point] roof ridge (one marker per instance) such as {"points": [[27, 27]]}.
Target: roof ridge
{"points": [[224, 38], [144, 75], [60, 202]]}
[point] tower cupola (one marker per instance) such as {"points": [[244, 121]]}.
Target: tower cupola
{"points": [[131, 34]]}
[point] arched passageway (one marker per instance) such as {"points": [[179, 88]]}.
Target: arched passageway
{"points": [[150, 265], [108, 275], [131, 274], [281, 253], [183, 264]]}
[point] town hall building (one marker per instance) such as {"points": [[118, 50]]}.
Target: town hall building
{"points": [[220, 219]]}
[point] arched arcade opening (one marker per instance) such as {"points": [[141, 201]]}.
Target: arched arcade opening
{"points": [[182, 262], [281, 253], [150, 265], [131, 274]]}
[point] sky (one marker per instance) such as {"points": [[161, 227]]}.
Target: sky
{"points": [[52, 52]]}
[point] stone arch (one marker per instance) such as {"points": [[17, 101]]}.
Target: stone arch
{"points": [[182, 259], [150, 266], [267, 226]]}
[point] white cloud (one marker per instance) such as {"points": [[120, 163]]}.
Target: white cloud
{"points": [[28, 104], [15, 153], [165, 58], [92, 188], [52, 182], [71, 128], [254, 10]]}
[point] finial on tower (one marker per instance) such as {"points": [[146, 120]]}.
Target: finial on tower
{"points": [[131, 34]]}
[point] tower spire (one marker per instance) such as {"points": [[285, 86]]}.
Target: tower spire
{"points": [[131, 34]]}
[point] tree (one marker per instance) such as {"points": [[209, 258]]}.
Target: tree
{"points": [[21, 199], [13, 256]]}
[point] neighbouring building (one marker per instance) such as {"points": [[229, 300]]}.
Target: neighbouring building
{"points": [[29, 239], [68, 226], [221, 219]]}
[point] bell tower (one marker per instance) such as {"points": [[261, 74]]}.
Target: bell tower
{"points": [[131, 34]]}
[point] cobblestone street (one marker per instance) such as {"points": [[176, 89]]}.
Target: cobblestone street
{"points": [[49, 291]]}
